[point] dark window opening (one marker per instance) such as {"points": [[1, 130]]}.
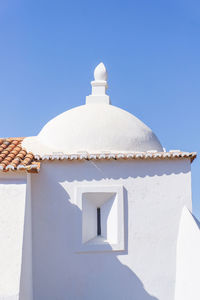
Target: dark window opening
{"points": [[98, 221]]}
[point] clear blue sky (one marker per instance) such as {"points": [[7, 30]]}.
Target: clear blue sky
{"points": [[48, 50]]}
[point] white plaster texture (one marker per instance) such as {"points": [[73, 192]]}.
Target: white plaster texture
{"points": [[12, 201], [155, 193], [188, 262]]}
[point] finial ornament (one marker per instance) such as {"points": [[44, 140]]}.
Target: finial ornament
{"points": [[99, 86], [100, 73]]}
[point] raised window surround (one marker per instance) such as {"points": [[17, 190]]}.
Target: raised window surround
{"points": [[110, 200]]}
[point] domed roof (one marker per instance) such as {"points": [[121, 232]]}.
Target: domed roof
{"points": [[94, 127]]}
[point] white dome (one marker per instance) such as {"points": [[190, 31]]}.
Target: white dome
{"points": [[94, 128]]}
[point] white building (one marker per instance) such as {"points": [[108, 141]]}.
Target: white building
{"points": [[94, 208]]}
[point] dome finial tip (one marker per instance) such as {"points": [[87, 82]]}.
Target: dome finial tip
{"points": [[99, 86], [100, 72]]}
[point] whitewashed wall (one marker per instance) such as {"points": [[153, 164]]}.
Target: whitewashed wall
{"points": [[155, 193], [12, 201], [26, 280], [188, 262]]}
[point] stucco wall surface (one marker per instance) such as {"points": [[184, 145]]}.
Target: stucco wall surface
{"points": [[154, 195], [12, 201], [188, 263]]}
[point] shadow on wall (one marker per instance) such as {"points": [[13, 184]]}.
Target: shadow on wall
{"points": [[59, 273], [120, 169]]}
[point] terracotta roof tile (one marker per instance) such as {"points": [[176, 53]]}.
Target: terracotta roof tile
{"points": [[149, 155], [13, 157]]}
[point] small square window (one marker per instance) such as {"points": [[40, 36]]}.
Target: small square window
{"points": [[102, 218]]}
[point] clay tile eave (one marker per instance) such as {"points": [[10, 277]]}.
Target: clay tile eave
{"points": [[14, 158]]}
